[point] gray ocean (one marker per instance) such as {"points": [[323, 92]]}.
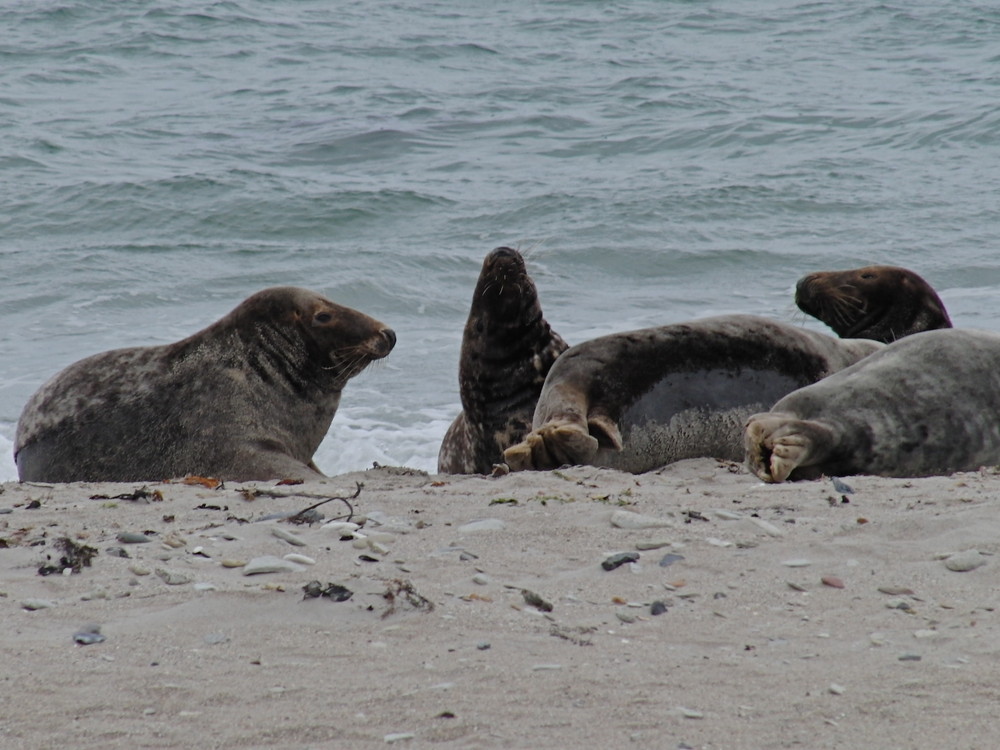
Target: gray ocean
{"points": [[655, 160]]}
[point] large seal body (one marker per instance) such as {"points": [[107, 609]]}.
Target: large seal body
{"points": [[926, 405], [636, 401], [883, 303], [249, 397], [507, 350]]}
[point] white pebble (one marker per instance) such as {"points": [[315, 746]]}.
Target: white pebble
{"points": [[625, 519], [796, 563], [32, 604], [836, 689], [398, 736], [727, 515], [287, 536], [483, 524], [301, 559], [690, 713], [768, 528], [270, 564], [967, 560]]}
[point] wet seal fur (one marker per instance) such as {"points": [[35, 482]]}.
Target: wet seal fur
{"points": [[507, 350], [249, 397], [636, 401], [926, 405], [883, 303]]}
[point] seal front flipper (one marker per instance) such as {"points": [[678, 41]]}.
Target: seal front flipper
{"points": [[554, 444], [778, 444]]}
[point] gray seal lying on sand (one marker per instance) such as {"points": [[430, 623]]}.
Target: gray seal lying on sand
{"points": [[642, 399], [249, 397], [926, 405], [507, 350], [883, 303]]}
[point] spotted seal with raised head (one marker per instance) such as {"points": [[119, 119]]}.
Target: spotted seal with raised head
{"points": [[249, 397], [638, 400], [883, 303], [507, 350], [928, 404]]}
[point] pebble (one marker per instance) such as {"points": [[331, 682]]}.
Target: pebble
{"points": [[669, 559], [767, 527], [796, 563], [205, 586], [481, 578], [287, 536], [139, 570], [483, 524], [962, 562], [657, 608], [393, 524], [5, 511], [727, 515], [902, 604], [832, 581], [620, 559], [399, 736], [926, 633], [88, 634], [625, 616], [213, 639], [690, 713], [715, 542], [836, 689], [131, 537], [173, 577], [174, 540], [301, 559], [116, 552], [230, 562], [626, 519], [32, 604], [652, 544], [270, 564], [910, 657], [896, 590], [545, 667]]}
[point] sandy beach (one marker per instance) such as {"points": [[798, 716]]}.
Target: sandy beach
{"points": [[480, 614]]}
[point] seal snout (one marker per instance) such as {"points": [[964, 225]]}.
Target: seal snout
{"points": [[386, 341]]}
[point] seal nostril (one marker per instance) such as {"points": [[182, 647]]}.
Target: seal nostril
{"points": [[390, 336]]}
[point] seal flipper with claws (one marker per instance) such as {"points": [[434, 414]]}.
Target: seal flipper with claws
{"points": [[883, 303], [249, 397], [507, 350]]}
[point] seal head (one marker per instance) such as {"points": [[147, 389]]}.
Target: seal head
{"points": [[883, 303], [507, 350], [249, 397]]}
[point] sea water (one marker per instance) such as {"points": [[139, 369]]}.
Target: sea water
{"points": [[655, 160]]}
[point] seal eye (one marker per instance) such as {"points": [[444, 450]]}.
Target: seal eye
{"points": [[323, 318], [867, 276]]}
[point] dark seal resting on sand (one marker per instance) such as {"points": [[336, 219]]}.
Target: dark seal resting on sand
{"points": [[507, 350], [638, 400], [249, 397], [926, 405], [883, 303]]}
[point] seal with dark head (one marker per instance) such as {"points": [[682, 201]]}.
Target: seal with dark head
{"points": [[883, 303], [249, 397], [925, 405], [507, 350], [636, 401]]}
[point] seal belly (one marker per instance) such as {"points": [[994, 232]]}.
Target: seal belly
{"points": [[694, 414]]}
